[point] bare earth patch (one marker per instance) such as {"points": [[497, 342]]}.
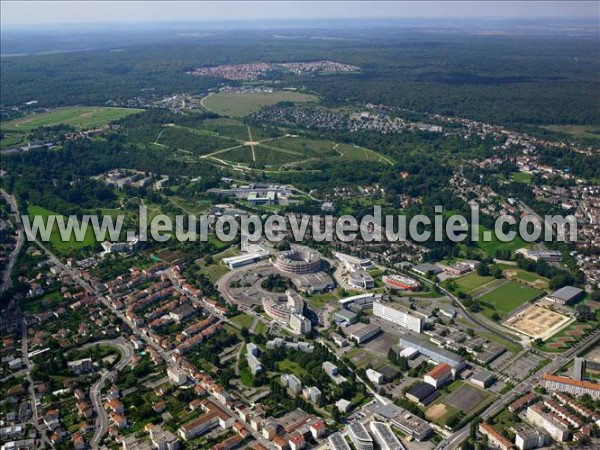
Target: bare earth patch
{"points": [[436, 411]]}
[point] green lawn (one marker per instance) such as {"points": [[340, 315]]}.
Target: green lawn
{"points": [[503, 420], [354, 152], [80, 117], [287, 366], [472, 282], [243, 320], [528, 277], [241, 104], [509, 296], [232, 330], [216, 270], [12, 139], [521, 177], [495, 244], [317, 301], [581, 131], [55, 239], [260, 328], [569, 336], [48, 302]]}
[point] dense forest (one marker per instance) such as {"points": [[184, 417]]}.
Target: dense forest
{"points": [[549, 79]]}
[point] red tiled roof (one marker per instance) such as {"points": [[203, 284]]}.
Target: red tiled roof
{"points": [[439, 371], [582, 384]]}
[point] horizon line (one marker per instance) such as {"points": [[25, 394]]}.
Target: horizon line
{"points": [[487, 19]]}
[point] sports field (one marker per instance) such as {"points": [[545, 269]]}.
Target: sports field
{"points": [[80, 117], [509, 296], [241, 104], [472, 282], [538, 322], [532, 279]]}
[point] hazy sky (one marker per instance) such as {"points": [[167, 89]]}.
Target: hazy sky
{"points": [[39, 12]]}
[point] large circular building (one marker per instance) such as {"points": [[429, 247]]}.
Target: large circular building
{"points": [[299, 260]]}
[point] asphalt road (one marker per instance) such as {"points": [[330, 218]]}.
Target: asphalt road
{"points": [[20, 240], [95, 391], [527, 385], [466, 312]]}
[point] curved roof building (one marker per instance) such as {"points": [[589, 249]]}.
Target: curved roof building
{"points": [[299, 260]]}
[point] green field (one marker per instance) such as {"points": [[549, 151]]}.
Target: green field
{"points": [[527, 277], [317, 301], [289, 366], [495, 244], [197, 142], [241, 104], [363, 359], [80, 117], [582, 131], [569, 336], [509, 296], [216, 270], [292, 152], [264, 156], [521, 177], [472, 282], [55, 240], [260, 328], [242, 320]]}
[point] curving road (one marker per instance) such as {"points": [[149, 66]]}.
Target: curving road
{"points": [[95, 390], [19, 243], [467, 313]]}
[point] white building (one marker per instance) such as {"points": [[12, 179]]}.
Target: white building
{"points": [[375, 377], [337, 442], [312, 393], [163, 439], [407, 319], [553, 425], [527, 437], [360, 437], [439, 375], [361, 279], [294, 384], [176, 376], [254, 364], [343, 405], [384, 436], [300, 324], [330, 368], [239, 261]]}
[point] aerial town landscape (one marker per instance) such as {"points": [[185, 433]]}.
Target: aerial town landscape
{"points": [[124, 342]]}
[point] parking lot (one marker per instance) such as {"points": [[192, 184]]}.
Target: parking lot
{"points": [[520, 369]]}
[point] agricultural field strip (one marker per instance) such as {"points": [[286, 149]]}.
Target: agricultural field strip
{"points": [[81, 117]]}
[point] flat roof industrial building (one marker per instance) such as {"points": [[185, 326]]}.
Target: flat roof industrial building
{"points": [[432, 351], [422, 393], [362, 332], [565, 295], [419, 429], [337, 442]]}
